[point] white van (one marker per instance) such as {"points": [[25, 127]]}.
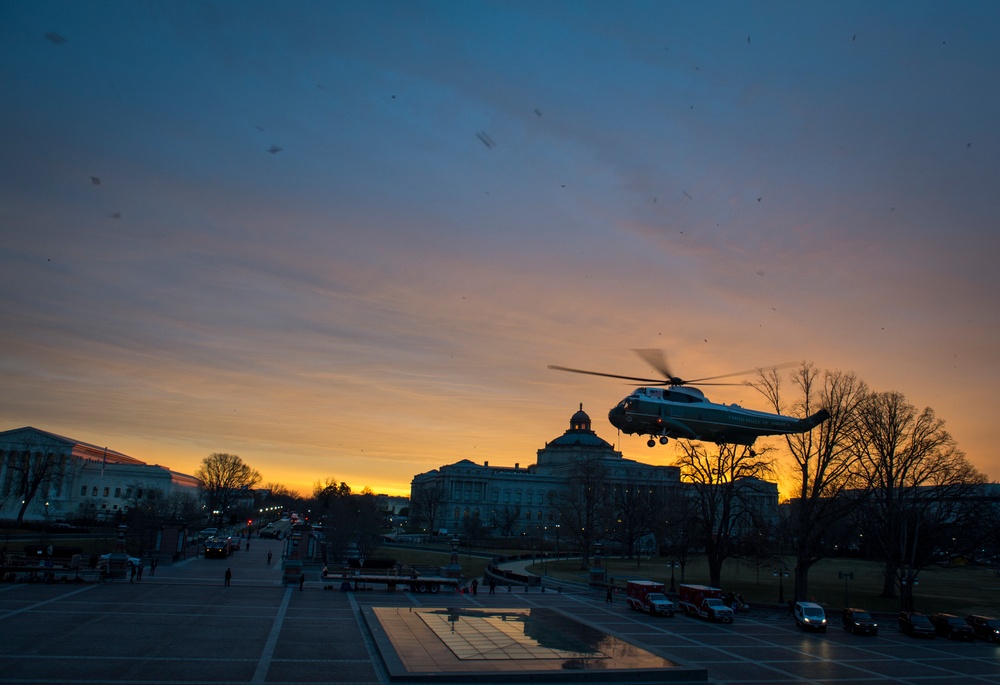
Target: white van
{"points": [[810, 616]]}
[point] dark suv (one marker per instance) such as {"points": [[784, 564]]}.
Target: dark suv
{"points": [[952, 627], [985, 627], [915, 624], [859, 621]]}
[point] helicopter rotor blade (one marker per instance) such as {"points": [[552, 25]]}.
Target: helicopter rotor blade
{"points": [[701, 381], [655, 358], [655, 381]]}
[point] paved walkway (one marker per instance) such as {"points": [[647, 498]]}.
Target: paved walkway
{"points": [[182, 626]]}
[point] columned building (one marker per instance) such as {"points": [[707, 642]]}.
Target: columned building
{"points": [[526, 500], [76, 480]]}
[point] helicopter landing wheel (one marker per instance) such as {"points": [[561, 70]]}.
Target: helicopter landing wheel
{"points": [[664, 440], [651, 442]]}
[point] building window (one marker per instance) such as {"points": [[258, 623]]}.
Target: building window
{"points": [[107, 490], [94, 493], [118, 492], [83, 491], [128, 492]]}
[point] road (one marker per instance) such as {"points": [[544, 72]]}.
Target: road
{"points": [[184, 626]]}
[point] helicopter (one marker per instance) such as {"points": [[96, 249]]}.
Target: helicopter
{"points": [[672, 408]]}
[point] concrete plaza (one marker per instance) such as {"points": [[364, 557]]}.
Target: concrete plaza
{"points": [[183, 626]]}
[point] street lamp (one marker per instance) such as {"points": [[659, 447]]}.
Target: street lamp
{"points": [[781, 574], [846, 576], [673, 565]]}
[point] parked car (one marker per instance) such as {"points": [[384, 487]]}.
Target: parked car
{"points": [[859, 622], [130, 561], [952, 627], [985, 627], [916, 624], [810, 616]]}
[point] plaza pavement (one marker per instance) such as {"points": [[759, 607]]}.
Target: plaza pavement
{"points": [[182, 627]]}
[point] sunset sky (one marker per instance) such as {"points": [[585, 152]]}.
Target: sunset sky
{"points": [[345, 239]]}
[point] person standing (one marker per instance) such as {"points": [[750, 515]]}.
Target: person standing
{"points": [[152, 566], [268, 558], [475, 585], [229, 576], [138, 575], [493, 586], [302, 581], [132, 571]]}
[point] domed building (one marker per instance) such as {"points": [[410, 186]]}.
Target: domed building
{"points": [[529, 500]]}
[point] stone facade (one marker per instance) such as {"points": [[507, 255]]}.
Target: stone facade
{"points": [[465, 488], [78, 480]]}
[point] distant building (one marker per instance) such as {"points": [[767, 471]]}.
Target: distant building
{"points": [[76, 480], [443, 499]]}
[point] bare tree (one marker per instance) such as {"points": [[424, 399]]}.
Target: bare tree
{"points": [[225, 479], [824, 462], [584, 504], [506, 519], [919, 483], [722, 496], [678, 529], [30, 471], [426, 501], [635, 507]]}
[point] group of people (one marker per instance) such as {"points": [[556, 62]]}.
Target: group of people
{"points": [[136, 569], [736, 601]]}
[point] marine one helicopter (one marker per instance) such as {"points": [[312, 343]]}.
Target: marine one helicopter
{"points": [[672, 408]]}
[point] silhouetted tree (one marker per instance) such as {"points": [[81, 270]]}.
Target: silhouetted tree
{"points": [[584, 505], [506, 519], [30, 471], [920, 488], [824, 461], [426, 500], [226, 480], [723, 502]]}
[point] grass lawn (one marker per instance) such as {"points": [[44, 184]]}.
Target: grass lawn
{"points": [[961, 590]]}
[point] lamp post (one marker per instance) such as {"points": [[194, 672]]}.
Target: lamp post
{"points": [[781, 574], [846, 576], [673, 565]]}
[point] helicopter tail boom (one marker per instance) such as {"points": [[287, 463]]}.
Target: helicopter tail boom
{"points": [[811, 422]]}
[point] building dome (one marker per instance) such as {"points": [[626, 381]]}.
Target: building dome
{"points": [[580, 421]]}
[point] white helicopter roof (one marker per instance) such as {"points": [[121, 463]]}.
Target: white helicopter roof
{"points": [[672, 394]]}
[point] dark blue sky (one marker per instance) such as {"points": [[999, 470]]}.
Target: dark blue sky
{"points": [[347, 238]]}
